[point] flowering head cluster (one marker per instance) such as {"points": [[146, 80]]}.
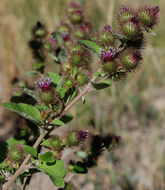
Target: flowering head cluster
{"points": [[74, 26], [74, 137], [148, 16], [108, 55], [16, 154], [44, 84], [71, 46], [106, 36]]}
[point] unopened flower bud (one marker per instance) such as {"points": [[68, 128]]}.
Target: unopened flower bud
{"points": [[82, 79], [109, 67], [44, 90], [125, 14], [106, 36], [75, 137], [55, 142], [76, 17], [148, 16], [68, 83], [131, 29], [16, 153], [130, 59], [40, 33]]}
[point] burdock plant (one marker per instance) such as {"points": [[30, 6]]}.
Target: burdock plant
{"points": [[45, 105]]}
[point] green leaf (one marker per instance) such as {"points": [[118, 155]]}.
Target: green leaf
{"points": [[30, 73], [66, 118], [54, 57], [72, 96], [58, 37], [46, 143], [29, 112], [55, 78], [122, 37], [98, 73], [11, 141], [94, 48], [30, 150], [102, 84], [55, 171], [74, 71], [37, 66], [41, 107], [62, 91], [57, 122], [81, 154], [62, 56], [47, 157], [30, 92]]}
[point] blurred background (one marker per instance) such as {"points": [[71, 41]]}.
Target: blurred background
{"points": [[133, 108]]}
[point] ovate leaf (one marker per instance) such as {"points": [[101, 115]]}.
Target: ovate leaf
{"points": [[55, 78], [102, 84], [11, 141], [55, 171], [30, 73], [29, 112], [94, 48], [47, 157], [30, 92], [54, 57], [30, 150], [46, 143], [57, 122]]}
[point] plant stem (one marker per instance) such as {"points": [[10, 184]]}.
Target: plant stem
{"points": [[23, 165], [42, 135]]}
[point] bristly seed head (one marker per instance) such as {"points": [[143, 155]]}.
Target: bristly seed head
{"points": [[75, 137], [124, 14], [130, 59], [148, 16]]}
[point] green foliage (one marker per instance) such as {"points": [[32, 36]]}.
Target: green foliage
{"points": [[29, 112], [11, 141], [46, 143], [94, 48], [103, 84], [46, 157], [57, 122], [55, 171], [30, 150], [30, 73], [55, 78]]}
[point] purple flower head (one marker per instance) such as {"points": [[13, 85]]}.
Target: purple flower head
{"points": [[153, 10], [136, 56], [108, 55], [118, 139], [134, 21], [43, 84], [52, 40], [19, 147], [123, 9], [82, 134], [107, 28], [65, 36]]}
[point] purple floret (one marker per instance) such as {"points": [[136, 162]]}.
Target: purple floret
{"points": [[108, 55], [82, 134], [44, 83]]}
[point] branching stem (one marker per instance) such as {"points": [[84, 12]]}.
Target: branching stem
{"points": [[43, 133]]}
